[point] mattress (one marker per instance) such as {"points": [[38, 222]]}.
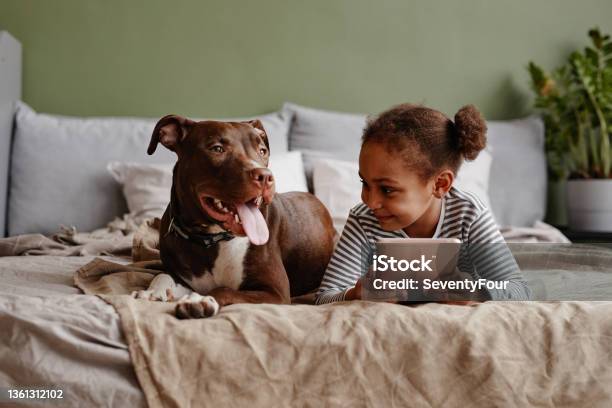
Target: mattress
{"points": [[53, 336]]}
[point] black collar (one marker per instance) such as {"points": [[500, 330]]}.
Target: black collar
{"points": [[195, 234]]}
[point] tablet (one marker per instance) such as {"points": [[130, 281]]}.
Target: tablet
{"points": [[405, 263], [432, 257]]}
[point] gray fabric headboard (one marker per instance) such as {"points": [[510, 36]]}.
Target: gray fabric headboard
{"points": [[10, 93]]}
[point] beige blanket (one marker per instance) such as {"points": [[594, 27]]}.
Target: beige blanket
{"points": [[115, 239], [359, 353], [369, 354]]}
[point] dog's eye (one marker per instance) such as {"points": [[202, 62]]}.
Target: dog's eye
{"points": [[217, 149], [262, 151]]}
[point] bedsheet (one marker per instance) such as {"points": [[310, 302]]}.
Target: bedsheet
{"points": [[53, 336]]}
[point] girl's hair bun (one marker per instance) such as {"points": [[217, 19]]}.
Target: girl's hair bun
{"points": [[471, 132]]}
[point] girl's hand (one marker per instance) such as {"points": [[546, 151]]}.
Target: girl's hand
{"points": [[354, 293]]}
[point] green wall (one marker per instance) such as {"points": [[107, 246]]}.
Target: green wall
{"points": [[231, 57]]}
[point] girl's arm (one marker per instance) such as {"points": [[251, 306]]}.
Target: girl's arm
{"points": [[346, 265], [493, 260]]}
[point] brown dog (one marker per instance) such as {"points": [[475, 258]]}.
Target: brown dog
{"points": [[225, 233]]}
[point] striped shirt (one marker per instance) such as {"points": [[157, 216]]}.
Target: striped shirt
{"points": [[462, 216]]}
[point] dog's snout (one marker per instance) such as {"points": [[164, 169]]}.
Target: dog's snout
{"points": [[262, 177]]}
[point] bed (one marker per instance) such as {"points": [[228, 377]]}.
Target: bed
{"points": [[73, 196]]}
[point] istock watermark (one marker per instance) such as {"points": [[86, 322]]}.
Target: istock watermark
{"points": [[434, 270], [471, 286], [382, 263], [437, 270]]}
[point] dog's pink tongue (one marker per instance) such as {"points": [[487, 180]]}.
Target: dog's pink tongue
{"points": [[253, 223]]}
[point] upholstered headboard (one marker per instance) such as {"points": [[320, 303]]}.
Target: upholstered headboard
{"points": [[10, 93]]}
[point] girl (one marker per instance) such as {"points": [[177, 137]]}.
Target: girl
{"points": [[409, 158]]}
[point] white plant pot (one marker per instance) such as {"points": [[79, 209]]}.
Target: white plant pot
{"points": [[589, 205]]}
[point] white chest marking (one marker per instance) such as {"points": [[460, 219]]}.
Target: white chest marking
{"points": [[228, 269]]}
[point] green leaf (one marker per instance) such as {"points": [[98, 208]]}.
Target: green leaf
{"points": [[591, 54], [596, 37], [538, 77]]}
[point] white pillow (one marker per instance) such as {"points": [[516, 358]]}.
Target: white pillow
{"points": [[288, 171], [146, 187], [336, 184], [474, 177]]}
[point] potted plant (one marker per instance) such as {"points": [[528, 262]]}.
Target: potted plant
{"points": [[576, 104]]}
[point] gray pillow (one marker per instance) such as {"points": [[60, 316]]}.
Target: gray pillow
{"points": [[518, 181], [58, 170], [517, 184], [324, 134]]}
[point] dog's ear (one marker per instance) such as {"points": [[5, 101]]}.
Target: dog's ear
{"points": [[169, 131], [259, 126]]}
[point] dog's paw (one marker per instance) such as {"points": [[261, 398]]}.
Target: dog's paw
{"points": [[196, 306], [164, 295]]}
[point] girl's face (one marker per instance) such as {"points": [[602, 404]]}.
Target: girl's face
{"points": [[396, 195]]}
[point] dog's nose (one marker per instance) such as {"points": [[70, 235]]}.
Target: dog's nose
{"points": [[262, 177]]}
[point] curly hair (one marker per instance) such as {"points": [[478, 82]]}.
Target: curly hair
{"points": [[426, 139]]}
